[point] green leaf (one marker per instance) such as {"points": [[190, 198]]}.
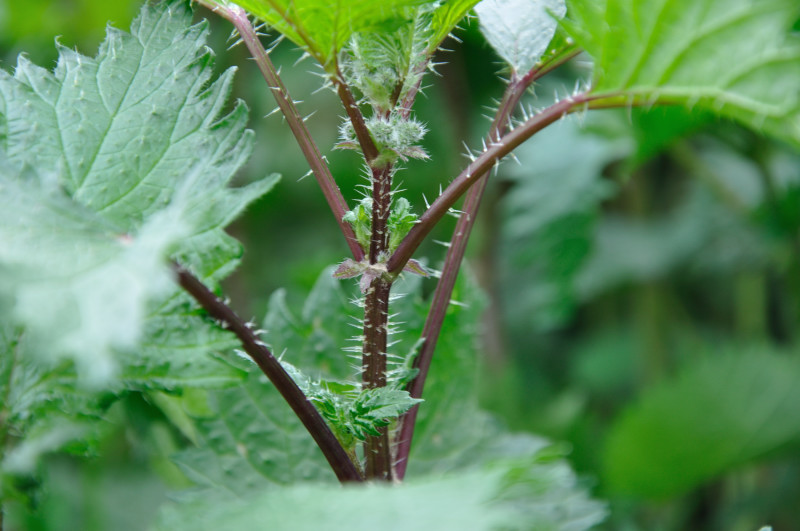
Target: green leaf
{"points": [[322, 27], [520, 30], [549, 215], [659, 51], [719, 413], [42, 410], [699, 232], [109, 166], [317, 340], [454, 436], [252, 440], [464, 501], [445, 19]]}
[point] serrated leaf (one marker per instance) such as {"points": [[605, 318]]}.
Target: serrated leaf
{"points": [[680, 52], [254, 445], [109, 166], [445, 19], [718, 414], [42, 410], [252, 441], [464, 501], [520, 30], [322, 27]]}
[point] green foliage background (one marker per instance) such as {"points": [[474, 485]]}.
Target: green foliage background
{"points": [[642, 288]]}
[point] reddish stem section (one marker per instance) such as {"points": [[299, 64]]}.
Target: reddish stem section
{"points": [[336, 202], [377, 449], [331, 448], [475, 172], [455, 254]]}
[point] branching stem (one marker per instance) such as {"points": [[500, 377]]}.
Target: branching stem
{"points": [[238, 17], [333, 451], [368, 147], [455, 254], [476, 171]]}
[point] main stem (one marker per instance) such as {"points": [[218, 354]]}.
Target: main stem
{"points": [[377, 449]]}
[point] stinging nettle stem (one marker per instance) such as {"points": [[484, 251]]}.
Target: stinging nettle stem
{"points": [[238, 17], [455, 254], [476, 171], [377, 449], [333, 451]]}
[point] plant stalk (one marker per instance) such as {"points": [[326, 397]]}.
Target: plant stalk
{"points": [[476, 171], [333, 451], [377, 449], [455, 255], [238, 17], [368, 147]]}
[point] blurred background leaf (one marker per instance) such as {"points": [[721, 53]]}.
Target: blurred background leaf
{"points": [[628, 261]]}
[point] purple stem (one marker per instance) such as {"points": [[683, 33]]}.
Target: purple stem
{"points": [[455, 254], [476, 171], [333, 451], [238, 17]]}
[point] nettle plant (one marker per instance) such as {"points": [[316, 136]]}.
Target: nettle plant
{"points": [[115, 193]]}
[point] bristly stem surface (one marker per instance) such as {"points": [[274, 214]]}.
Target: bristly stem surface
{"points": [[238, 17], [476, 171], [377, 449], [455, 255], [333, 451]]}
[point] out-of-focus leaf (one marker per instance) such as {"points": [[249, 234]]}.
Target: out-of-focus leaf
{"points": [[251, 441], [42, 411], [315, 341], [454, 436], [719, 413], [464, 501], [110, 165], [657, 129], [520, 30], [627, 250], [549, 212], [679, 52]]}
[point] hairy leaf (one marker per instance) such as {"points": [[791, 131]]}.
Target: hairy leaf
{"points": [[109, 166], [41, 411], [496, 479], [719, 413], [465, 501], [445, 19], [454, 436], [252, 440], [520, 30], [322, 27], [734, 57]]}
